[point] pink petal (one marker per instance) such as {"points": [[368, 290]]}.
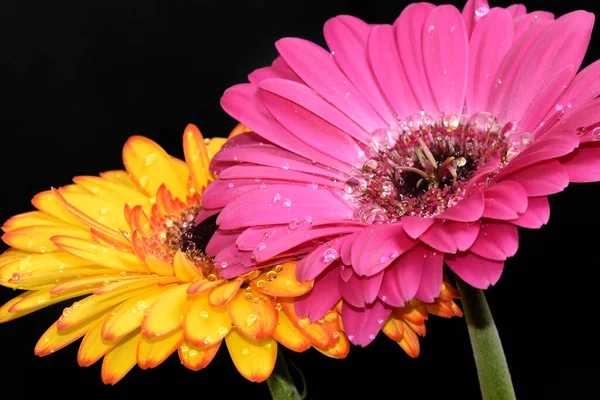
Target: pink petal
{"points": [[467, 210], [537, 214], [307, 98], [516, 10], [473, 12], [360, 290], [416, 226], [205, 213], [272, 72], [243, 104], [280, 204], [496, 241], [218, 194], [432, 276], [346, 37], [491, 41], [587, 115], [305, 58], [583, 165], [534, 20], [323, 296], [451, 237], [584, 88], [377, 247], [401, 280], [254, 175], [220, 240], [318, 260], [387, 67], [569, 37], [284, 239], [476, 271], [363, 324], [505, 200], [542, 179], [310, 128], [409, 36], [272, 156], [346, 273], [446, 57], [552, 90], [346, 250], [251, 237]]}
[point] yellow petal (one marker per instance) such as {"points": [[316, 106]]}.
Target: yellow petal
{"points": [[49, 203], [135, 283], [224, 292], [119, 176], [339, 350], [37, 238], [181, 169], [150, 167], [98, 254], [12, 254], [323, 334], [54, 339], [280, 281], [128, 316], [93, 305], [214, 145], [197, 358], [115, 193], [196, 157], [184, 269], [253, 313], [88, 282], [5, 315], [50, 263], [152, 352], [410, 342], [159, 267], [254, 359], [106, 211], [93, 346], [167, 313], [289, 336], [38, 299], [31, 218], [204, 324], [120, 359], [203, 285], [33, 281], [239, 128]]}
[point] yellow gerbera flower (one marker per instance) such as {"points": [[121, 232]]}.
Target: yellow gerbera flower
{"points": [[127, 242]]}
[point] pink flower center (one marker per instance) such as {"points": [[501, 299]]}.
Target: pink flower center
{"points": [[422, 166]]}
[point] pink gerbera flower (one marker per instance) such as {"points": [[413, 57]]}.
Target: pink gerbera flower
{"points": [[403, 148]]}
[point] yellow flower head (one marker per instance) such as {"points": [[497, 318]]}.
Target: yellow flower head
{"points": [[126, 245]]}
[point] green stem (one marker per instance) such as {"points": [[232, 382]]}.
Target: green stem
{"points": [[494, 376], [280, 382]]}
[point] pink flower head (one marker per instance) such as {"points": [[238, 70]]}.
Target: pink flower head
{"points": [[403, 148]]}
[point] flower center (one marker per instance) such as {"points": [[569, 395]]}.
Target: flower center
{"points": [[422, 167], [177, 232]]}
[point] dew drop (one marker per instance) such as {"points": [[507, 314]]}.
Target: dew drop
{"points": [[192, 353], [276, 198], [308, 219], [286, 203], [285, 166], [271, 276], [596, 133], [223, 265], [351, 337], [558, 107], [394, 254], [151, 159], [204, 314], [245, 351], [499, 82], [383, 259], [262, 186], [329, 255], [336, 335], [482, 11], [252, 319], [380, 321], [371, 336], [260, 283], [452, 29], [261, 246], [294, 223], [230, 185], [430, 28], [223, 331]]}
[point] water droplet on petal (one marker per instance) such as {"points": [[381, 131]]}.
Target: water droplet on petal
{"points": [[285, 166], [596, 133], [329, 255], [380, 321], [371, 336], [286, 203], [430, 28], [230, 185], [204, 314], [261, 246], [294, 223], [252, 319], [482, 11], [245, 351]]}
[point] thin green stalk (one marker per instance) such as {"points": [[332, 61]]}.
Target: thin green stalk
{"points": [[280, 382], [494, 376]]}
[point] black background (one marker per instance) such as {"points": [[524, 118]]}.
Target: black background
{"points": [[77, 79]]}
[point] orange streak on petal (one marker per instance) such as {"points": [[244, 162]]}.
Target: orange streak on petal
{"points": [[197, 358], [152, 352], [394, 329], [410, 342], [253, 313], [55, 339], [203, 285], [289, 336], [110, 241], [139, 220], [129, 315], [37, 280], [280, 281], [135, 283], [120, 359], [38, 299], [108, 212], [27, 264], [167, 313], [93, 346], [323, 334], [37, 238], [184, 269], [108, 189], [254, 359], [339, 350], [414, 312], [87, 282], [31, 218], [204, 324], [49, 203], [223, 293]]}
